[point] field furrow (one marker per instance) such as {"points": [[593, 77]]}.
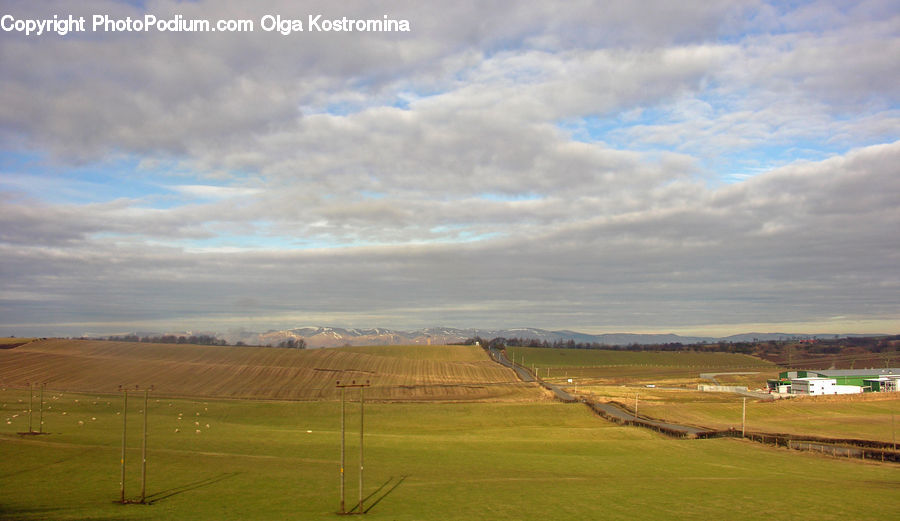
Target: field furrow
{"points": [[393, 372]]}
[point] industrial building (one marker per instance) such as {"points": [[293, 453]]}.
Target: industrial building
{"points": [[836, 381]]}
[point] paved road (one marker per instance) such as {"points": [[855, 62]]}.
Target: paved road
{"points": [[607, 410], [526, 376]]}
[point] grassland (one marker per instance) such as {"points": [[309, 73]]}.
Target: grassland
{"points": [[451, 461], [451, 436], [395, 372], [621, 376], [6, 342], [867, 417], [635, 367]]}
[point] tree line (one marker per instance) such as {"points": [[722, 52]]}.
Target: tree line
{"points": [[823, 346], [201, 340]]}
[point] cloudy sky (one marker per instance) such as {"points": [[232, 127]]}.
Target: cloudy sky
{"points": [[697, 167]]}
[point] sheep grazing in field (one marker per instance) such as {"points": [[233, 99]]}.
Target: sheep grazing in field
{"points": [[177, 431], [80, 423], [198, 431], [207, 425]]}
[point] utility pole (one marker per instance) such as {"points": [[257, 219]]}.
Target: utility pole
{"points": [[744, 418], [361, 411], [361, 386], [125, 443], [144, 448], [124, 427], [41, 417], [635, 405], [30, 406], [343, 510]]}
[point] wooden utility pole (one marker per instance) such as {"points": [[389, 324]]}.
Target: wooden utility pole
{"points": [[343, 509], [361, 386], [144, 449], [30, 406], [125, 443], [361, 411], [124, 427], [744, 418], [635, 405], [41, 417]]}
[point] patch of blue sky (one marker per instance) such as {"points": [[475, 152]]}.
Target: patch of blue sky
{"points": [[372, 195], [401, 103], [742, 164], [243, 242], [473, 236], [508, 198], [151, 184], [82, 184], [458, 233], [597, 129]]}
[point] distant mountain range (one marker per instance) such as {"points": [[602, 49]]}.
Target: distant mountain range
{"points": [[318, 336]]}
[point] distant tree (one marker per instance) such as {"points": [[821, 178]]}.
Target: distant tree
{"points": [[293, 343]]}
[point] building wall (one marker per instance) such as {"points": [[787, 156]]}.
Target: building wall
{"points": [[814, 386]]}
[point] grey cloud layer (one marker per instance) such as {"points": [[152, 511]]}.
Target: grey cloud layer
{"points": [[463, 174], [818, 238]]}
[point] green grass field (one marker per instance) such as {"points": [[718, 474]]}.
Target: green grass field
{"points": [[619, 375], [866, 417], [614, 366], [556, 358], [448, 461]]}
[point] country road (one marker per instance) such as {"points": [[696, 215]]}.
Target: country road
{"points": [[606, 410], [526, 376]]}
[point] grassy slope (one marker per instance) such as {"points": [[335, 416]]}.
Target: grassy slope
{"points": [[395, 372], [859, 417], [619, 375], [609, 357], [633, 366], [496, 461]]}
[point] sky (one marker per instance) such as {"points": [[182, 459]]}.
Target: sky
{"points": [[698, 167]]}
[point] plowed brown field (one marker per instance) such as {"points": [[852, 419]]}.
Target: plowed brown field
{"points": [[402, 373]]}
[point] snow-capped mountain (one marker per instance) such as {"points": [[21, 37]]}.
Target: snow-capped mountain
{"points": [[320, 336]]}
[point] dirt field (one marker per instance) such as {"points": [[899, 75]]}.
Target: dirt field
{"points": [[430, 373]]}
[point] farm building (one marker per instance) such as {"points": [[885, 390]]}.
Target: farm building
{"points": [[837, 381], [883, 384], [820, 386]]}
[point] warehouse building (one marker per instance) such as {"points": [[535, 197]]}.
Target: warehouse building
{"points": [[836, 381]]}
